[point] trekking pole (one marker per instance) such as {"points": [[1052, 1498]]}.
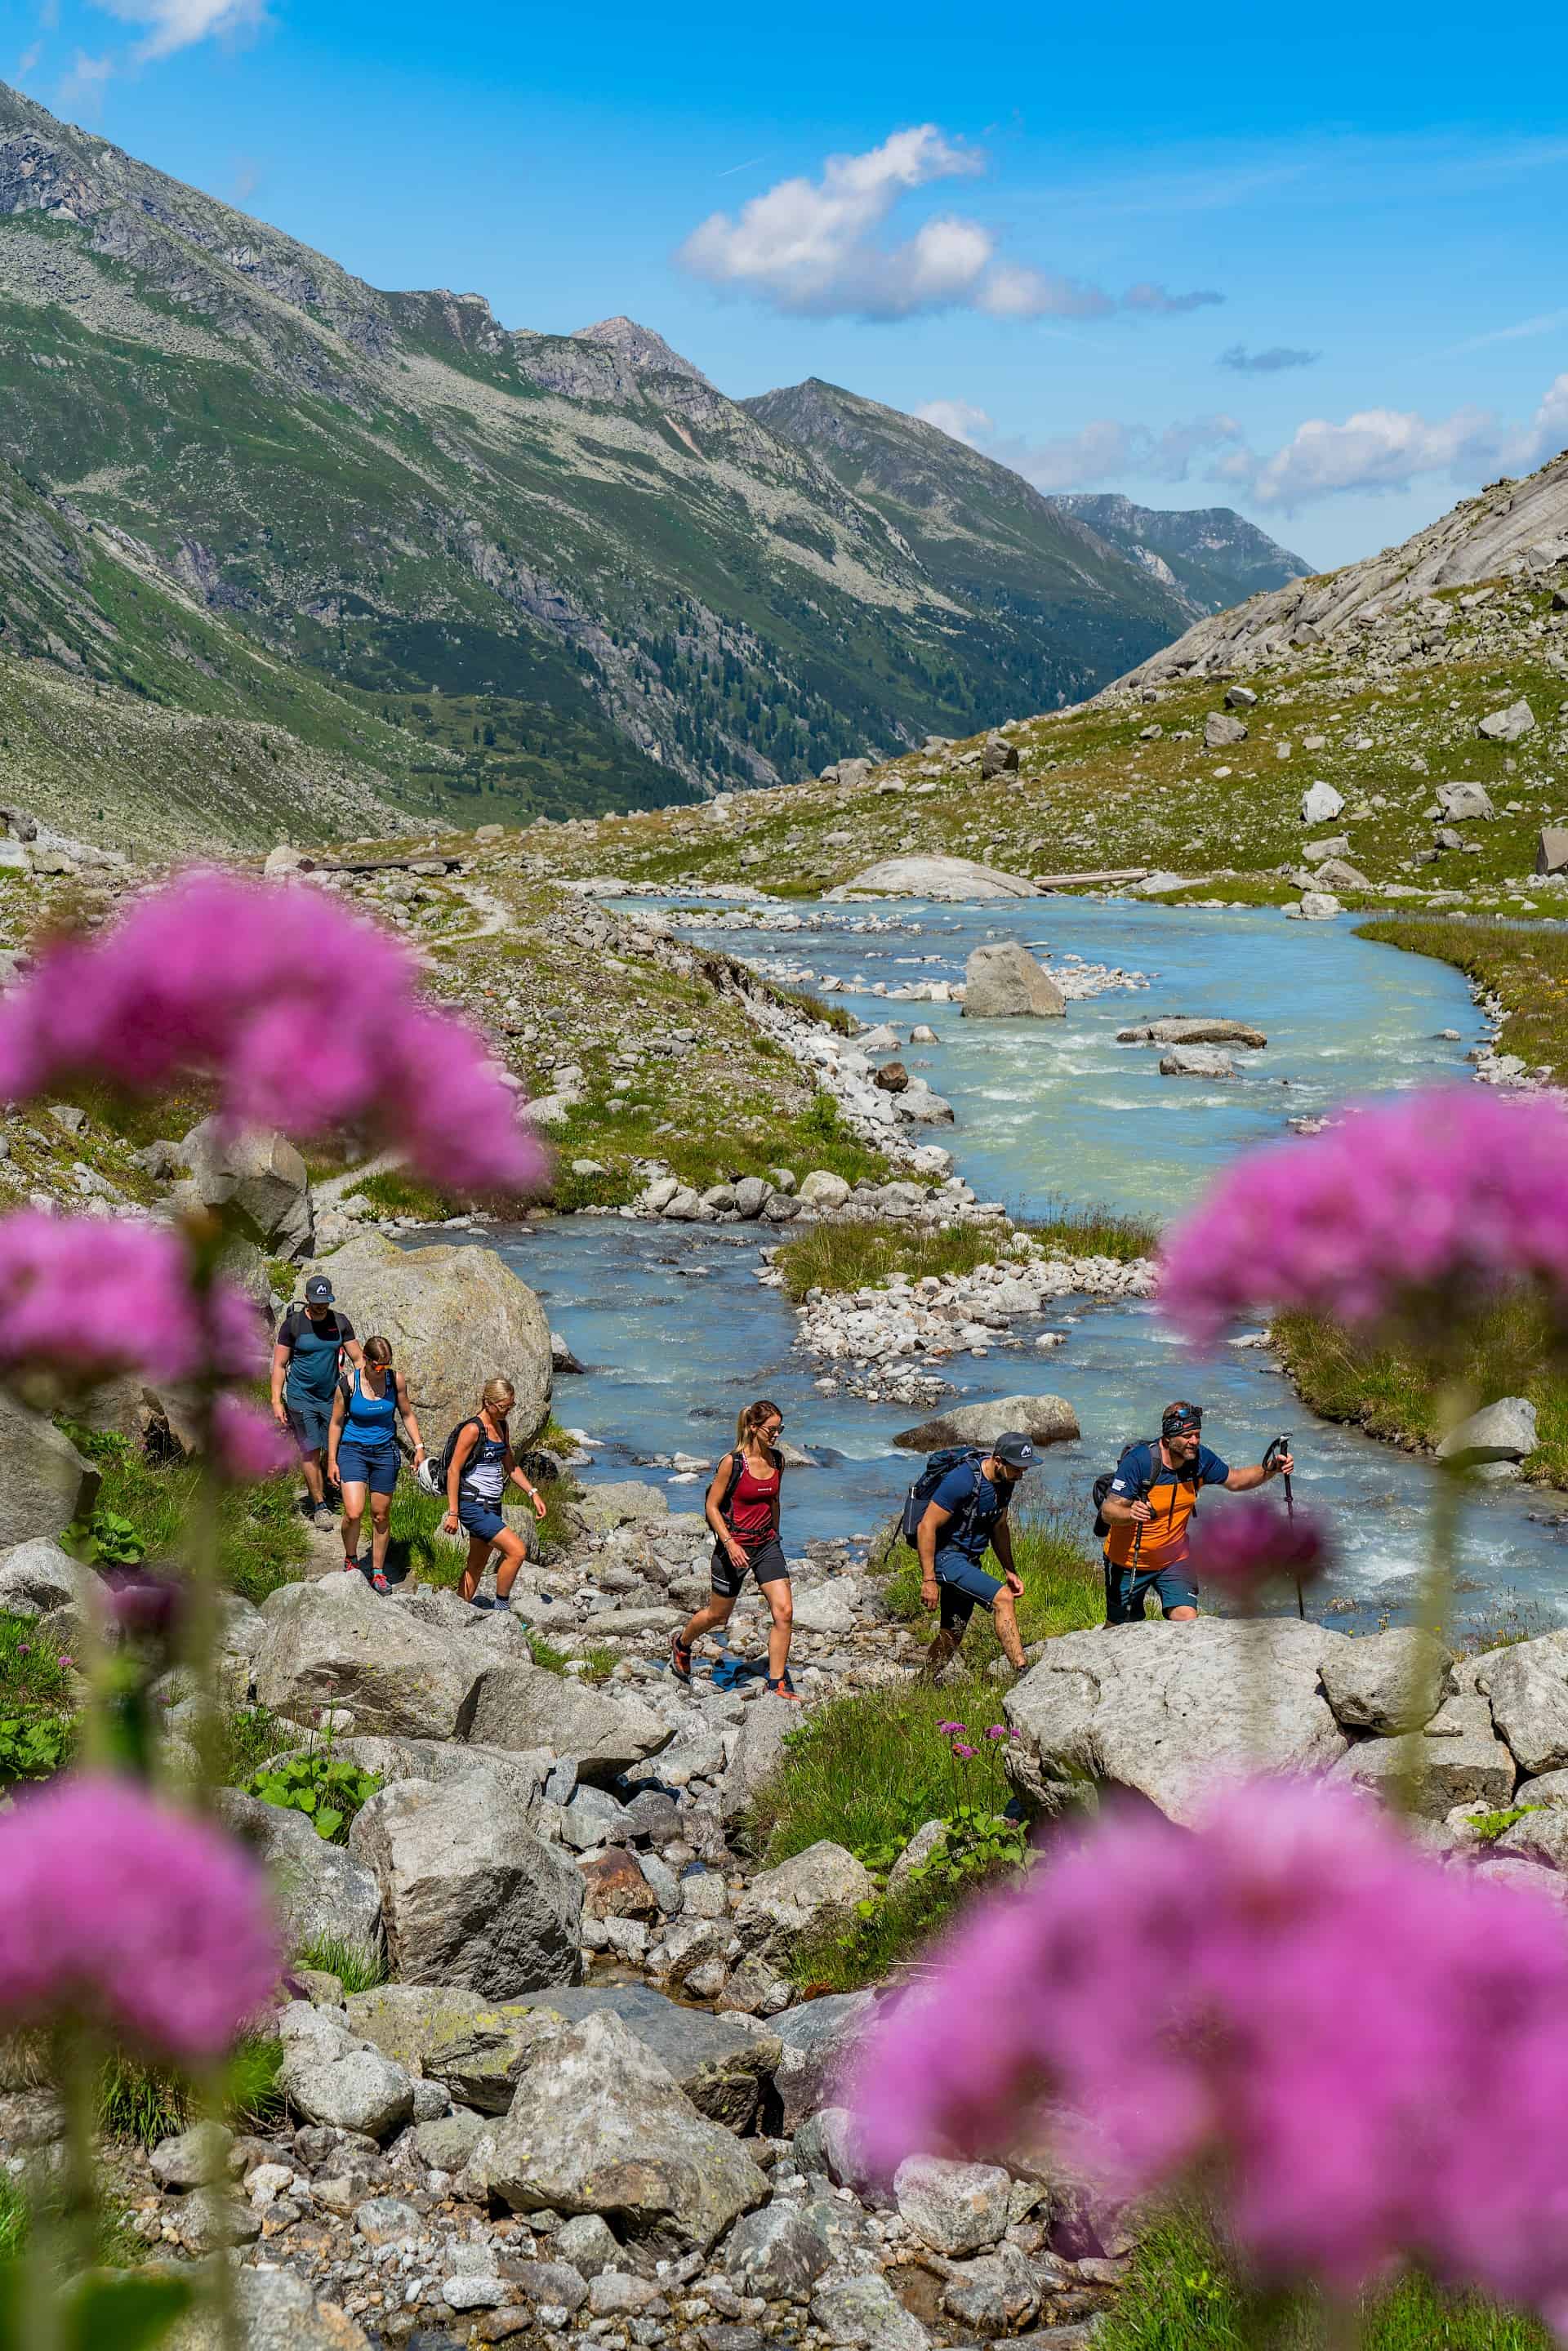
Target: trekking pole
{"points": [[1282, 1445]]}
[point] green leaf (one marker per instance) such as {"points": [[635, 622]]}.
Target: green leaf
{"points": [[328, 1823], [120, 2313]]}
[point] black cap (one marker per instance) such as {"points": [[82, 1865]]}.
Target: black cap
{"points": [[1015, 1451], [317, 1291], [1180, 1419]]}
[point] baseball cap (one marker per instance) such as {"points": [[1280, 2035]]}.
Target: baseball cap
{"points": [[317, 1291], [1015, 1451], [1181, 1419]]}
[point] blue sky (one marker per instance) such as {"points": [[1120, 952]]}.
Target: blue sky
{"points": [[1309, 265]]}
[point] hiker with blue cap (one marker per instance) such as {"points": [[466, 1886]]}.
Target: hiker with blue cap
{"points": [[965, 1513]]}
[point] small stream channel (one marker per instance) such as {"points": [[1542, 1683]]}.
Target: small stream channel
{"points": [[677, 1332]]}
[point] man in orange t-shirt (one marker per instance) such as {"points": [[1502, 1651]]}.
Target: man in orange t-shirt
{"points": [[1149, 1513]]}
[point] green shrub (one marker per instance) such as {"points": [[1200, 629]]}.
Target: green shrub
{"points": [[148, 2103], [263, 1543], [1095, 1231], [250, 1734], [357, 1967], [853, 1256], [327, 1788], [37, 1731]]}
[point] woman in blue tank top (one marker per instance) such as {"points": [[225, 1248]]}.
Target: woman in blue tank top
{"points": [[362, 1455]]}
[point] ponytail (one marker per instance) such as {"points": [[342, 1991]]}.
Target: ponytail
{"points": [[755, 1417]]}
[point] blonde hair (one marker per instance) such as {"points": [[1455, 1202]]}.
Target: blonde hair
{"points": [[379, 1352], [501, 1396], [756, 1416]]}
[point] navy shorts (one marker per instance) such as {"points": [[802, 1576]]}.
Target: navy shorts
{"points": [[1126, 1593], [767, 1563], [310, 1419], [375, 1466], [479, 1518], [964, 1585]]}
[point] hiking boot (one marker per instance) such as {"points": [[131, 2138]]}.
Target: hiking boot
{"points": [[941, 1653], [379, 1581], [783, 1687], [680, 1659]]}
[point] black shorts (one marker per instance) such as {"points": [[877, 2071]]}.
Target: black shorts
{"points": [[766, 1561]]}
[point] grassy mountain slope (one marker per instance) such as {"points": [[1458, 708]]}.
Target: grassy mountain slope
{"points": [[1063, 604], [511, 573], [1373, 679], [1212, 556]]}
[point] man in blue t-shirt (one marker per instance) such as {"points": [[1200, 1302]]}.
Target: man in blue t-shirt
{"points": [[966, 1513], [313, 1341]]}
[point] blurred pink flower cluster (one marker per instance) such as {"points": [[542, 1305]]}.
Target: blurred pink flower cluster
{"points": [[89, 1297], [1244, 1548], [306, 1017], [1368, 2045], [1456, 1188], [149, 1922]]}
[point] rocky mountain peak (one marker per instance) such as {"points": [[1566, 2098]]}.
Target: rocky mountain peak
{"points": [[639, 348]]}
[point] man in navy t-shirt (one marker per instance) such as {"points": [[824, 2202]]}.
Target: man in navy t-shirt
{"points": [[312, 1339], [967, 1513]]}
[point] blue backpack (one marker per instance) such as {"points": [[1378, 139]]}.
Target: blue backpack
{"points": [[938, 1465]]}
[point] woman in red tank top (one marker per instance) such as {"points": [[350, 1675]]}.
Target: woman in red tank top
{"points": [[743, 1512]]}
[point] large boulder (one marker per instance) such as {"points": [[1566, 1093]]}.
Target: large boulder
{"points": [[46, 1482], [39, 1577], [491, 1775], [320, 1891], [1192, 1029], [1504, 1431], [820, 2039], [781, 1904], [1002, 981], [1456, 1760], [276, 2310], [258, 1175], [1221, 731], [469, 1896], [361, 2091], [333, 1642], [1045, 1419], [480, 2049], [1167, 1711], [1465, 803], [1507, 726], [456, 1317], [779, 2253], [1195, 1062], [1387, 1682], [1552, 849], [948, 880], [523, 1707], [1321, 803], [953, 2207], [598, 2125], [721, 2063], [1528, 1686], [756, 1753]]}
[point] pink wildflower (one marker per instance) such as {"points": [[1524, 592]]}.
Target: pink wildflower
{"points": [[307, 1017], [963, 1753], [147, 1920], [1367, 2045], [1250, 1545], [250, 1446], [951, 1730], [142, 1603], [997, 1730], [1456, 1189], [88, 1296]]}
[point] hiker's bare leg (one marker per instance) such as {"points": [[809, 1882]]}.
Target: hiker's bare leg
{"points": [[354, 1515], [479, 1560], [380, 1531], [1005, 1616], [782, 1600], [513, 1552], [714, 1612]]}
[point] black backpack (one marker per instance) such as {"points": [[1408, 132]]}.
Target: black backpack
{"points": [[433, 1475], [951, 1456], [1103, 1484]]}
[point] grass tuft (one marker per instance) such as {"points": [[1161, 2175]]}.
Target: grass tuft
{"points": [[1096, 1231], [854, 1256], [357, 1966]]}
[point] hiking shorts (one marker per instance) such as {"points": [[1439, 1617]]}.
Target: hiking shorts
{"points": [[475, 1516], [962, 1585], [308, 1420], [375, 1466], [767, 1563], [1126, 1593]]}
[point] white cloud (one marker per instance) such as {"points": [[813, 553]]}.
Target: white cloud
{"points": [[815, 247], [82, 91], [1274, 360], [178, 24], [1101, 451], [1387, 448], [960, 419]]}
